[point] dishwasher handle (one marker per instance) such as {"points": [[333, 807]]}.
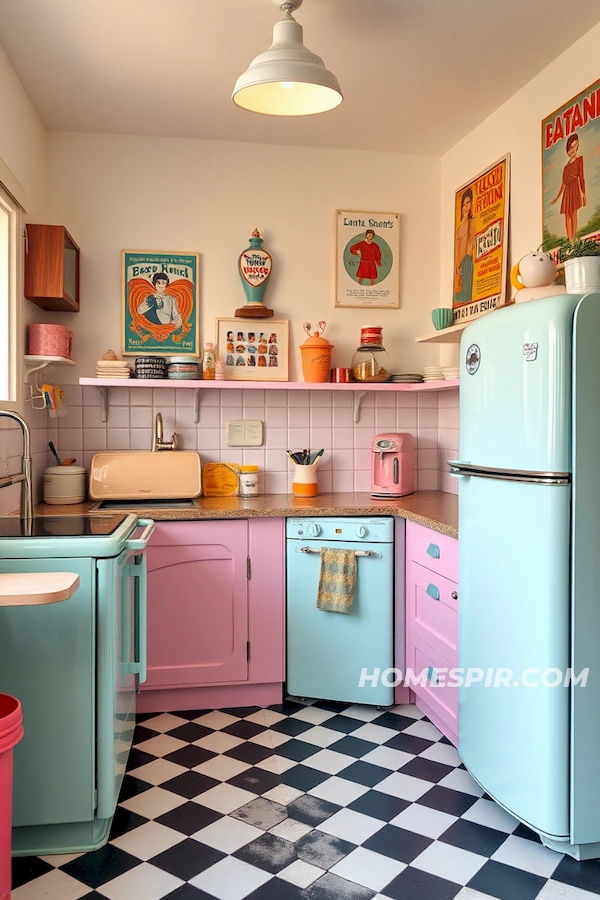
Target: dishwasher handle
{"points": [[373, 553]]}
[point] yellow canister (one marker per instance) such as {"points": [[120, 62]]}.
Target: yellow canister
{"points": [[221, 479]]}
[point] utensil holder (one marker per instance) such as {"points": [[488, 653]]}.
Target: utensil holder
{"points": [[305, 482]]}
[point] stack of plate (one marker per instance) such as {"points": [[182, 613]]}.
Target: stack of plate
{"points": [[112, 368], [409, 378], [451, 372], [433, 373]]}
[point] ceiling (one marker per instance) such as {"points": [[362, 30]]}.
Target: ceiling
{"points": [[416, 75]]}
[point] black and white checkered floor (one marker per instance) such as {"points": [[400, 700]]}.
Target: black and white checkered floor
{"points": [[321, 801]]}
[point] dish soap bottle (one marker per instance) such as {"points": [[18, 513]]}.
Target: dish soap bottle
{"points": [[208, 362]]}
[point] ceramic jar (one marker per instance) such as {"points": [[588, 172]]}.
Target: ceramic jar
{"points": [[316, 355]]}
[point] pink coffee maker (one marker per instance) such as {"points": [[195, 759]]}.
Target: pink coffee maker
{"points": [[392, 465]]}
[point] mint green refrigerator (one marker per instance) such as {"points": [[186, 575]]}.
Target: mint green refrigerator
{"points": [[529, 565]]}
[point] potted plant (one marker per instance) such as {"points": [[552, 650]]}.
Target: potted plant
{"points": [[581, 259]]}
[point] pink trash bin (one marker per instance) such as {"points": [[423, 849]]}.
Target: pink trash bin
{"points": [[11, 732]]}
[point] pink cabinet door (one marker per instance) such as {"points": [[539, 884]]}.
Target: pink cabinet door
{"points": [[197, 604]]}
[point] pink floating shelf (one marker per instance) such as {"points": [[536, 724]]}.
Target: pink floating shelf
{"points": [[266, 385]]}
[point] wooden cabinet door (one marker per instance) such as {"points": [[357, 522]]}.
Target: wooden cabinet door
{"points": [[197, 604], [51, 268]]}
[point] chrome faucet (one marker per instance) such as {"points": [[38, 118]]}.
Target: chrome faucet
{"points": [[24, 477], [157, 437]]}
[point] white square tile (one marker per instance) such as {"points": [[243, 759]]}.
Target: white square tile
{"points": [[364, 713], [226, 798], [407, 709], [230, 879], [486, 812], [283, 793], [161, 745], [422, 820], [270, 739], [338, 790], [387, 758], [290, 830], [221, 767], [372, 870], [442, 753], [276, 764], [404, 786], [145, 881], [216, 720], [377, 734], [266, 717], [527, 855], [153, 803], [313, 714], [53, 884], [449, 862], [460, 780], [424, 730], [227, 834], [300, 873], [320, 736], [329, 761], [553, 890], [218, 742], [164, 722], [351, 826], [470, 894], [148, 840], [158, 771]]}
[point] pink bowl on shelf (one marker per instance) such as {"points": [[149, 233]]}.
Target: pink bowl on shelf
{"points": [[49, 340]]}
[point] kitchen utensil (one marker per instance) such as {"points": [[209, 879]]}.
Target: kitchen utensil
{"points": [[316, 354], [392, 465], [441, 317], [54, 453]]}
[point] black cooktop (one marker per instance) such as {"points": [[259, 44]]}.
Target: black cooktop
{"points": [[60, 526]]}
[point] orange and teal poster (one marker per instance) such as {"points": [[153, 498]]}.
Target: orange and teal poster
{"points": [[480, 242], [571, 170]]}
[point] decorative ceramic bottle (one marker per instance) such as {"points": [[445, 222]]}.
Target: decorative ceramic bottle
{"points": [[254, 267]]}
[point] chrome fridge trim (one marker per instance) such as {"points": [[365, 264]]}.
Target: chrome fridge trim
{"points": [[456, 467]]}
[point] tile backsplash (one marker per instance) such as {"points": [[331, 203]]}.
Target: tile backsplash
{"points": [[293, 420]]}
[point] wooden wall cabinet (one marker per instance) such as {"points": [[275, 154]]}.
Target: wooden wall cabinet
{"points": [[51, 268]]}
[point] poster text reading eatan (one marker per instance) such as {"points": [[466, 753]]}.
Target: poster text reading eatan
{"points": [[571, 119]]}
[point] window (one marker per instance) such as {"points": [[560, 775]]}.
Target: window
{"points": [[10, 300]]}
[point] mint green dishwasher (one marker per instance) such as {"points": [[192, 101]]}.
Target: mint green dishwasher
{"points": [[347, 657], [74, 665]]}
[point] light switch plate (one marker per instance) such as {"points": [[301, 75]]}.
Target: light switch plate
{"points": [[244, 433]]}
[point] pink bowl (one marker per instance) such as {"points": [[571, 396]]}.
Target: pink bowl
{"points": [[49, 340]]}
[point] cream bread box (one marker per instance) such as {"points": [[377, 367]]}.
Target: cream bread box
{"points": [[143, 475], [64, 485]]}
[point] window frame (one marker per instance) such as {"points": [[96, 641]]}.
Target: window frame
{"points": [[13, 199]]}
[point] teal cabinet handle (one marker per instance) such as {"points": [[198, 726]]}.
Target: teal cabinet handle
{"points": [[433, 592], [434, 551], [432, 675]]}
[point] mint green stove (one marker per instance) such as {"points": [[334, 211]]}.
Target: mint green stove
{"points": [[74, 666]]}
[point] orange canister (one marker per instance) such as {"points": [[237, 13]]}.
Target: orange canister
{"points": [[316, 354]]}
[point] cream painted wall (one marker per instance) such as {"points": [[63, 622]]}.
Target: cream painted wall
{"points": [[115, 192], [516, 127]]}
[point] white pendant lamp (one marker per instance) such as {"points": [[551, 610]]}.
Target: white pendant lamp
{"points": [[287, 79]]}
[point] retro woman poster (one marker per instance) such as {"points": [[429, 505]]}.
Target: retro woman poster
{"points": [[480, 242], [160, 303], [571, 170]]}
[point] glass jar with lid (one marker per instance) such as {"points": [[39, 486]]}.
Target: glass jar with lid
{"points": [[249, 481], [371, 363]]}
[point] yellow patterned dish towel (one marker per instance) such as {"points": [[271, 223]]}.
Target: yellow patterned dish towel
{"points": [[337, 580]]}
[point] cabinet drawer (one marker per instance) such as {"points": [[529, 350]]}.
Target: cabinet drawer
{"points": [[435, 551], [439, 697], [431, 609]]}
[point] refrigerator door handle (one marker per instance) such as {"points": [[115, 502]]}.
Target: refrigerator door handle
{"points": [[463, 469]]}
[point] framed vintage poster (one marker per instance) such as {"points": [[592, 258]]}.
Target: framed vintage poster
{"points": [[481, 242], [571, 171], [160, 303], [253, 349], [367, 259]]}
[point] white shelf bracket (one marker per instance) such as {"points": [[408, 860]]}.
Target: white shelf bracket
{"points": [[357, 397], [103, 403], [196, 406]]}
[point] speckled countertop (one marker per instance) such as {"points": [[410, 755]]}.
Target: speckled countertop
{"points": [[433, 509]]}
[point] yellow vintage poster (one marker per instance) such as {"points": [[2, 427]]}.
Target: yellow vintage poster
{"points": [[480, 242]]}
